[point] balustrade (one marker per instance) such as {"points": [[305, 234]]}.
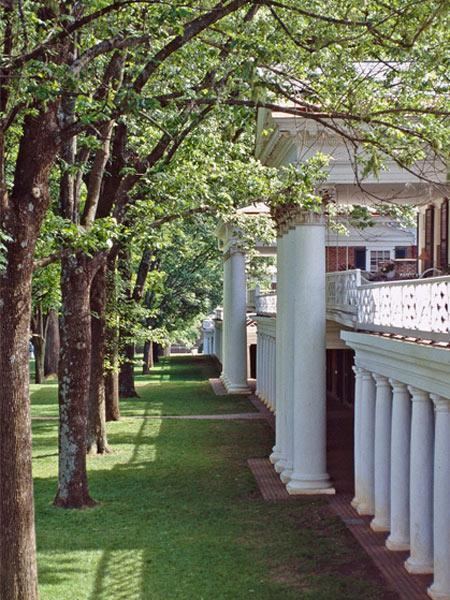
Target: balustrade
{"points": [[417, 308]]}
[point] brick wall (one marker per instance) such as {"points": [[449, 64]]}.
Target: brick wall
{"points": [[336, 258]]}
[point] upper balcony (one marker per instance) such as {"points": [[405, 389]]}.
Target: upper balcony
{"points": [[412, 308]]}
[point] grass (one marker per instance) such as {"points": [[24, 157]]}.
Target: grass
{"points": [[189, 392], [180, 516]]}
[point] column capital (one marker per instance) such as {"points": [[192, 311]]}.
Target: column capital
{"points": [[288, 216], [234, 247], [418, 395], [357, 371], [441, 404], [398, 386], [366, 374], [381, 380]]}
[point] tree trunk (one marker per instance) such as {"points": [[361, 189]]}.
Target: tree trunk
{"points": [[96, 439], [126, 375], [38, 341], [166, 350], [21, 215], [39, 352], [148, 363], [52, 344], [112, 396], [156, 352], [18, 571], [74, 370], [112, 344]]}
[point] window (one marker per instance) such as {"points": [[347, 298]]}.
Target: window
{"points": [[401, 251], [378, 258]]}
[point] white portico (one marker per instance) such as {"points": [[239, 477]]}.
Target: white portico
{"points": [[402, 387]]}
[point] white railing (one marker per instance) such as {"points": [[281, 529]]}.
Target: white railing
{"points": [[266, 304], [418, 308], [342, 290]]}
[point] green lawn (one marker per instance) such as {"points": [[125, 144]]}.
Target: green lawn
{"points": [[180, 516]]}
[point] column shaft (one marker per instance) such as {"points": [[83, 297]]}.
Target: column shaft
{"points": [[307, 326], [234, 374], [290, 357], [278, 456], [400, 466], [440, 590], [366, 482], [357, 434], [421, 484], [383, 417]]}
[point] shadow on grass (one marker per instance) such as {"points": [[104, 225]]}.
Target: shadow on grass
{"points": [[180, 518]]}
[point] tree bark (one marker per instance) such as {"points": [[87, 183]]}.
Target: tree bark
{"points": [[112, 343], [52, 344], [38, 341], [157, 352], [74, 371], [148, 363], [18, 571], [126, 376], [112, 396], [96, 439]]}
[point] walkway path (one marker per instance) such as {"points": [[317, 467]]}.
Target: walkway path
{"points": [[340, 462]]}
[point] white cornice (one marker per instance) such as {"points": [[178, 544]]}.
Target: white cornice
{"points": [[424, 367]]}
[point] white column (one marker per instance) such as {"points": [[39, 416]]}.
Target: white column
{"points": [[383, 416], [269, 368], [366, 482], [278, 456], [400, 460], [421, 484], [290, 356], [309, 475], [272, 365], [258, 362], [264, 345], [234, 356], [357, 434], [440, 590]]}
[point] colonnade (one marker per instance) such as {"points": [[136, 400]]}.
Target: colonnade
{"points": [[402, 471], [265, 368], [208, 342]]}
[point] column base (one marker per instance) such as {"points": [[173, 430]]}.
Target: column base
{"points": [[280, 465], [397, 546], [364, 509], [437, 594], [301, 486], [235, 388], [286, 475], [379, 526], [275, 456], [417, 568]]}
